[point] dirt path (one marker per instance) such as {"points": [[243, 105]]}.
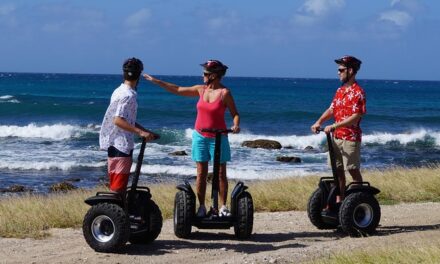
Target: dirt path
{"points": [[278, 238]]}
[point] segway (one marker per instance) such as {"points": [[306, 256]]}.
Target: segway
{"points": [[359, 212], [113, 220], [242, 208]]}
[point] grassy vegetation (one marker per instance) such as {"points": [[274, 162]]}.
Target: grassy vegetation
{"points": [[32, 215], [424, 253]]}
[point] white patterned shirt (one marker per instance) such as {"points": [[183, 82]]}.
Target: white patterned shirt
{"points": [[123, 103]]}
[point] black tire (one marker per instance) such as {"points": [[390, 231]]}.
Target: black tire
{"points": [[244, 216], [105, 227], [184, 210], [314, 209], [359, 214], [153, 218]]}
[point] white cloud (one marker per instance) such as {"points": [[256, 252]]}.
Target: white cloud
{"points": [[6, 9], [394, 2], [139, 18], [315, 10], [321, 7], [226, 21], [409, 5], [399, 18]]}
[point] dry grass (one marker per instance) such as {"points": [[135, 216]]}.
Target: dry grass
{"points": [[31, 215], [428, 253]]}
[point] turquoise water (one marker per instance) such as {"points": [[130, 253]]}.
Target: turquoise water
{"points": [[49, 125]]}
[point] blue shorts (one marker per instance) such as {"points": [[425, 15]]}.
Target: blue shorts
{"points": [[203, 148]]}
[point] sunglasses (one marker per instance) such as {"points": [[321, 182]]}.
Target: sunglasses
{"points": [[206, 73], [341, 70]]}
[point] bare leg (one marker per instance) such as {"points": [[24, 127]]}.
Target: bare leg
{"points": [[341, 177], [223, 184], [356, 175], [202, 172]]}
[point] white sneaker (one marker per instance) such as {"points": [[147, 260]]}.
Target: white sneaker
{"points": [[224, 211], [202, 211]]}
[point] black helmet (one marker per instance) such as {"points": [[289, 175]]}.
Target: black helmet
{"points": [[349, 62], [214, 66], [133, 67]]}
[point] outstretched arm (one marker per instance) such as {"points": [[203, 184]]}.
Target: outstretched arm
{"points": [[230, 104], [173, 88]]}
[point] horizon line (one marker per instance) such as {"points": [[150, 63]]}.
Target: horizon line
{"points": [[231, 76]]}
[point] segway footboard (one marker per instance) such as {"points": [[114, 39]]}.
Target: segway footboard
{"points": [[105, 197], [361, 187]]}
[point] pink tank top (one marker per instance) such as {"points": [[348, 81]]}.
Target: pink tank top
{"points": [[210, 115]]}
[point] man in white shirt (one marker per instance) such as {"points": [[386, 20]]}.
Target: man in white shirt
{"points": [[119, 126]]}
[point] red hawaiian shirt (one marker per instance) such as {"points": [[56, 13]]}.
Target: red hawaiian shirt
{"points": [[348, 101]]}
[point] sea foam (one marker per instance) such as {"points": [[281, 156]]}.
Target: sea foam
{"points": [[315, 141], [47, 165], [403, 138], [298, 142], [8, 99], [53, 132]]}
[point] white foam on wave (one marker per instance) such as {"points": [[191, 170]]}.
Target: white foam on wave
{"points": [[234, 172], [167, 169], [54, 132], [402, 138], [8, 99], [47, 165], [299, 142]]}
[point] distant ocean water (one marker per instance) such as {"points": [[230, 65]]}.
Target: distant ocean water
{"points": [[49, 127]]}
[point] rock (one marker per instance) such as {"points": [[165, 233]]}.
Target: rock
{"points": [[73, 179], [289, 159], [62, 187], [16, 189], [179, 153], [262, 143]]}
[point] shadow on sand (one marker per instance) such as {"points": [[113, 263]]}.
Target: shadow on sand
{"points": [[258, 242]]}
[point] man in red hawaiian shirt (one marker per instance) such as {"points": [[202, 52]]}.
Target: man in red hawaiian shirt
{"points": [[347, 108]]}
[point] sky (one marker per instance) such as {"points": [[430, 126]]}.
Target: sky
{"points": [[395, 39]]}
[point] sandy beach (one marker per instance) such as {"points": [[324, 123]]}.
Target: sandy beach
{"points": [[278, 237]]}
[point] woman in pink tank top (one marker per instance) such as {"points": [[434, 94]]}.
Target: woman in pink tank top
{"points": [[214, 99]]}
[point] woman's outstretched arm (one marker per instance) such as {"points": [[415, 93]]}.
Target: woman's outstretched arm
{"points": [[173, 88]]}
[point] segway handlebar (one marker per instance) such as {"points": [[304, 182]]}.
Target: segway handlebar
{"points": [[156, 136], [332, 157], [140, 159], [319, 129], [216, 130]]}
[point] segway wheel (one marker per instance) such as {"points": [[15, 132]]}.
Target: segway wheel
{"points": [[359, 214], [184, 211], [314, 209], [153, 219], [245, 216], [105, 227]]}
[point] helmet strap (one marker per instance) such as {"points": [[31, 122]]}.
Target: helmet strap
{"points": [[210, 80], [348, 77]]}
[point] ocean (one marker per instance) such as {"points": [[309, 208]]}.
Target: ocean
{"points": [[49, 127]]}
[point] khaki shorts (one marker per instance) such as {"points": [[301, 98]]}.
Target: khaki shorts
{"points": [[347, 154]]}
